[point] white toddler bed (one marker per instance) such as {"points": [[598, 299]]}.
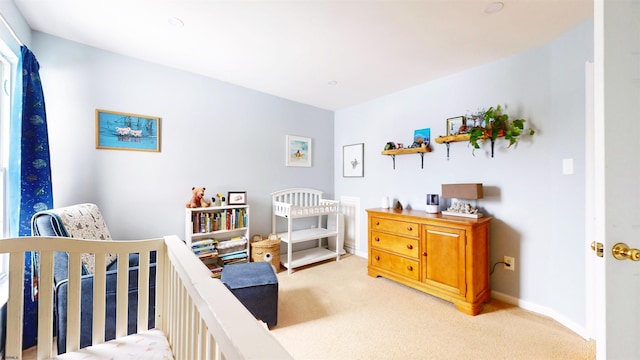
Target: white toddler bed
{"points": [[197, 317], [297, 203]]}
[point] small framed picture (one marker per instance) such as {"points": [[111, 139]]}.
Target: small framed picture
{"points": [[298, 151], [237, 198], [422, 137], [456, 125], [353, 160]]}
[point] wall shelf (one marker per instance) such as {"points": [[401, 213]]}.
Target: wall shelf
{"points": [[394, 152], [452, 138], [462, 137]]}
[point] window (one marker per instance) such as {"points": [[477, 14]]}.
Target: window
{"points": [[8, 62]]}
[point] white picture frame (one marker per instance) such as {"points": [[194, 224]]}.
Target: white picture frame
{"points": [[298, 151], [353, 160]]}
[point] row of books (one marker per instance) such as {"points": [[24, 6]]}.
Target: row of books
{"points": [[230, 219], [209, 253]]}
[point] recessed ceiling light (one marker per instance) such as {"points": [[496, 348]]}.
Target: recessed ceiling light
{"points": [[332, 83], [176, 21], [494, 8]]}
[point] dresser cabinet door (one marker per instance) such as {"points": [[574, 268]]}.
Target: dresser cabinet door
{"points": [[443, 254]]}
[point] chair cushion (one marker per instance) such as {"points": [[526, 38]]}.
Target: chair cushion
{"points": [[84, 221]]}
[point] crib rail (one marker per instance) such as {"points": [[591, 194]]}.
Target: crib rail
{"points": [[198, 314], [205, 320], [46, 247]]}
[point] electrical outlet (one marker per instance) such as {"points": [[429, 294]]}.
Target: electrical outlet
{"points": [[509, 263]]}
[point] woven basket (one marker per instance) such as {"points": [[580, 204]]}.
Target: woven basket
{"points": [[267, 250]]}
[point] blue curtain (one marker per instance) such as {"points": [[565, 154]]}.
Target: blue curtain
{"points": [[29, 187]]}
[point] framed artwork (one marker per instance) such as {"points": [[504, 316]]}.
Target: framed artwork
{"points": [[124, 131], [422, 136], [237, 198], [298, 151], [454, 124], [353, 160]]}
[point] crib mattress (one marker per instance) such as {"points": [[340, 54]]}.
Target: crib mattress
{"points": [[151, 344]]}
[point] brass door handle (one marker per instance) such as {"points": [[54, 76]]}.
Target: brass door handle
{"points": [[621, 251]]}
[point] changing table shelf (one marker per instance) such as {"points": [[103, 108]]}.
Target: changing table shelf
{"points": [[306, 257], [306, 235]]}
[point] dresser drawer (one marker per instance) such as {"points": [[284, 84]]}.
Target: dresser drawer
{"points": [[397, 244], [394, 226], [397, 264]]}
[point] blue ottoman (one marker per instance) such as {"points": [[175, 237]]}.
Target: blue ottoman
{"points": [[256, 286]]}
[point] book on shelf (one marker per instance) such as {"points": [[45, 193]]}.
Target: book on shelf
{"points": [[234, 258], [214, 265], [228, 219]]}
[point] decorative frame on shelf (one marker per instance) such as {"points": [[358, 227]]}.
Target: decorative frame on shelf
{"points": [[125, 131], [454, 124], [237, 198], [422, 137], [353, 160], [298, 151]]}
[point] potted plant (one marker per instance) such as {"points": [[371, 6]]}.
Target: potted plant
{"points": [[493, 123]]}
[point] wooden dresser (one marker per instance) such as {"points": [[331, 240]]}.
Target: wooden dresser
{"points": [[445, 256]]}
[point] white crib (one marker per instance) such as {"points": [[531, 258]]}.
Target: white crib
{"points": [[197, 317]]}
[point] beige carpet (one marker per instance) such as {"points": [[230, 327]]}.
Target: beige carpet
{"points": [[334, 310]]}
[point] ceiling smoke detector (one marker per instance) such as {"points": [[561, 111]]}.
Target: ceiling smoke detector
{"points": [[175, 21], [494, 8]]}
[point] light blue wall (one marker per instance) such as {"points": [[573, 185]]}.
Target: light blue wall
{"points": [[214, 134], [539, 213]]}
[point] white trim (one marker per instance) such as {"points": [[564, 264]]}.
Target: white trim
{"points": [[350, 207], [542, 311]]}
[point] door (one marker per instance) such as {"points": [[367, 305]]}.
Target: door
{"points": [[617, 175], [445, 259]]}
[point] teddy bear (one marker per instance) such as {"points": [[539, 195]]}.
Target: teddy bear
{"points": [[197, 200]]}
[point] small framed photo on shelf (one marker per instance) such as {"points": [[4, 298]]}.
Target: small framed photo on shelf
{"points": [[237, 198], [421, 137], [456, 125], [353, 160]]}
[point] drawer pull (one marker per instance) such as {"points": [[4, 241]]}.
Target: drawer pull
{"points": [[410, 268], [410, 228], [409, 246], [377, 239], [424, 253], [377, 222], [377, 257]]}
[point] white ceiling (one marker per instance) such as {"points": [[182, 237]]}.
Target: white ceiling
{"points": [[295, 49]]}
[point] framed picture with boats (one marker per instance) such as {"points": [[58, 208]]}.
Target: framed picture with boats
{"points": [[125, 131]]}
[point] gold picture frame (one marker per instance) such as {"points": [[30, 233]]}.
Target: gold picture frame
{"points": [[454, 124], [124, 131]]}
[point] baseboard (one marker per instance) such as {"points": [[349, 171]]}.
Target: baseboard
{"points": [[580, 330]]}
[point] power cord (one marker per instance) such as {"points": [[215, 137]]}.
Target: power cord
{"points": [[494, 267]]}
